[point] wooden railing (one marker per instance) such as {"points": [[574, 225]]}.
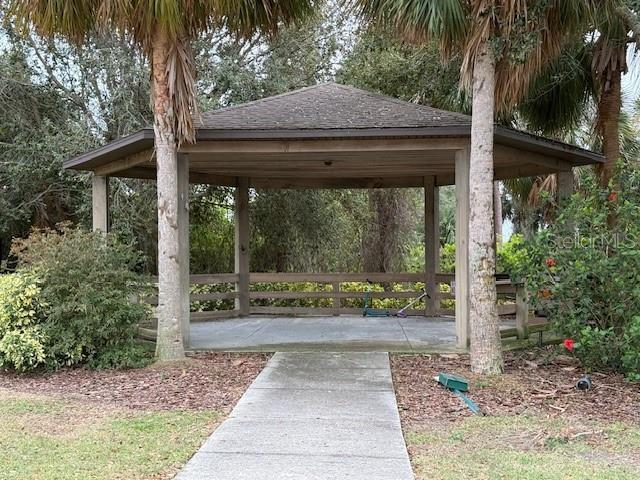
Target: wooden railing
{"points": [[328, 287]]}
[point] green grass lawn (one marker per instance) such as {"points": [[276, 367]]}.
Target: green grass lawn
{"points": [[523, 447], [45, 439]]}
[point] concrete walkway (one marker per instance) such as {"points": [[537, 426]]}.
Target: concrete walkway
{"points": [[310, 416]]}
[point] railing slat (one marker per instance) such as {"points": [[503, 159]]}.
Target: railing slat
{"points": [[213, 296], [336, 294], [213, 315], [259, 295], [335, 277]]}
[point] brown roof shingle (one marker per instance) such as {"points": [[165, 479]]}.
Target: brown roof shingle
{"points": [[329, 106]]}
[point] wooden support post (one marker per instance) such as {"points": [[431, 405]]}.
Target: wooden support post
{"points": [[100, 203], [242, 245], [431, 244], [565, 186], [462, 247], [183, 245], [335, 286], [522, 312]]}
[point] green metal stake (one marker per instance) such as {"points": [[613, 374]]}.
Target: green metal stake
{"points": [[457, 385]]}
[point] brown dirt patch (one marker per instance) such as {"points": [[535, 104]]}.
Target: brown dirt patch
{"points": [[205, 381], [67, 420], [536, 382]]}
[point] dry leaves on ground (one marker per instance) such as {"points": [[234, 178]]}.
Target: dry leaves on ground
{"points": [[535, 381], [205, 381]]}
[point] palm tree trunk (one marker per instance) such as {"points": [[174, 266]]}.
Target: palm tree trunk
{"points": [[609, 115], [497, 212], [169, 344], [486, 347]]}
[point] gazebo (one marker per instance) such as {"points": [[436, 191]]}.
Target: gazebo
{"points": [[331, 136]]}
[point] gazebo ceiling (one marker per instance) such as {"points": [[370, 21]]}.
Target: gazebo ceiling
{"points": [[335, 136]]}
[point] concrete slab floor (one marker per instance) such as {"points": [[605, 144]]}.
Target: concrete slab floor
{"points": [[315, 333], [310, 416]]}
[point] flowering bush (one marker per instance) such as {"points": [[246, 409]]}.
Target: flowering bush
{"points": [[584, 272]]}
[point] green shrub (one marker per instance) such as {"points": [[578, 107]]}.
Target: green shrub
{"points": [[512, 257], [87, 286], [448, 258], [22, 342], [586, 274], [126, 355]]}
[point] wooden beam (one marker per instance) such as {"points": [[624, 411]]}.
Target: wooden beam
{"points": [[509, 155], [462, 248], [292, 168], [522, 312], [431, 243], [335, 287], [183, 243], [100, 203], [242, 245], [137, 159], [565, 186], [195, 177], [211, 179], [324, 145], [519, 171], [376, 182]]}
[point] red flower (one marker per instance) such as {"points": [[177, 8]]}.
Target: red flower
{"points": [[613, 196], [568, 344], [551, 262]]}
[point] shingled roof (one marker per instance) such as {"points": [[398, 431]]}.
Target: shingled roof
{"points": [[332, 111], [330, 106]]}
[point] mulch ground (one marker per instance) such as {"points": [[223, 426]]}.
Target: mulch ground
{"points": [[535, 382], [205, 381]]}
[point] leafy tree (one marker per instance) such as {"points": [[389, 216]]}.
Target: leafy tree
{"points": [[38, 131], [390, 231], [164, 31], [308, 230], [382, 63], [212, 230]]}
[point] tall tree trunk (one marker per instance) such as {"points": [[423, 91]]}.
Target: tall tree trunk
{"points": [[497, 212], [609, 108], [486, 347], [169, 344]]}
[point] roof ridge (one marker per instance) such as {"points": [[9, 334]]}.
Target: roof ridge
{"points": [[399, 101], [265, 99]]}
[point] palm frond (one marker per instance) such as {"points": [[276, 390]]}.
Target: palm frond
{"points": [[558, 98], [70, 18], [181, 73], [546, 32], [245, 17], [420, 20]]}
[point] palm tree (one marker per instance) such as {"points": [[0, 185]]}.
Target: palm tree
{"points": [[163, 29], [533, 201], [588, 72], [503, 42]]}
